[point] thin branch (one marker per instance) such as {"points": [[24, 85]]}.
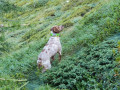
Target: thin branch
{"points": [[15, 80], [23, 85]]}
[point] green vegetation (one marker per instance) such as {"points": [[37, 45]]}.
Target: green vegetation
{"points": [[91, 67], [90, 43]]}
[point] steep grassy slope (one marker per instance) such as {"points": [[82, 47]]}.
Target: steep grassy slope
{"points": [[86, 64]]}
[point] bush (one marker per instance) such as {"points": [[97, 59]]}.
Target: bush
{"points": [[7, 7], [38, 3], [90, 68]]}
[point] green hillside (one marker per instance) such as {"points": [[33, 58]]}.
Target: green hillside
{"points": [[90, 44]]}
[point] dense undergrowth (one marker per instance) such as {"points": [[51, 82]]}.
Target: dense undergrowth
{"points": [[92, 67], [89, 59]]}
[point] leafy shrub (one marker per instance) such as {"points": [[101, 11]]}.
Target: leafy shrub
{"points": [[42, 2], [7, 7], [58, 13], [91, 68], [38, 3]]}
